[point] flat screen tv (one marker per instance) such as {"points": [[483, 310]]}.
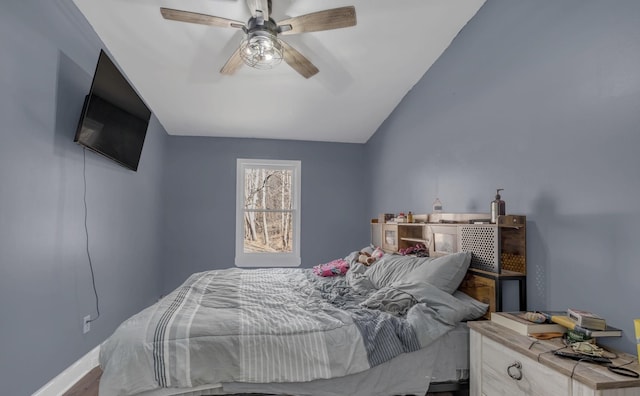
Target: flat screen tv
{"points": [[114, 118]]}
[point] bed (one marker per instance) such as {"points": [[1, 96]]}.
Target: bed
{"points": [[392, 327]]}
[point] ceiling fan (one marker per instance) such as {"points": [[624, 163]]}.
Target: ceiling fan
{"points": [[261, 48]]}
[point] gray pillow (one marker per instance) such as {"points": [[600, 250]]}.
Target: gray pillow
{"points": [[393, 267], [446, 272], [369, 249], [474, 308]]}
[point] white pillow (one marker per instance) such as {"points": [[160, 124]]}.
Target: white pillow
{"points": [[446, 272]]}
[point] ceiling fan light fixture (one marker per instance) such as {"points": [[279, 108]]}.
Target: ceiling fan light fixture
{"points": [[261, 50]]}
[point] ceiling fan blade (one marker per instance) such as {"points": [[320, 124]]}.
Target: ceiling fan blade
{"points": [[233, 63], [298, 61], [335, 18], [203, 19], [259, 5]]}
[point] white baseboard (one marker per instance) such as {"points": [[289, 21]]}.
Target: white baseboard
{"points": [[72, 374]]}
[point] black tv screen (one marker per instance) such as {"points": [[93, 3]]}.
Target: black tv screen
{"points": [[114, 118]]}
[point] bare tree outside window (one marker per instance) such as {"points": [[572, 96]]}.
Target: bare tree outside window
{"points": [[268, 210], [268, 213]]}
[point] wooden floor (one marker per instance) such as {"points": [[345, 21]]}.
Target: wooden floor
{"points": [[88, 386]]}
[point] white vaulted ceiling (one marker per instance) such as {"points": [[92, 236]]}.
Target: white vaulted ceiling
{"points": [[365, 70]]}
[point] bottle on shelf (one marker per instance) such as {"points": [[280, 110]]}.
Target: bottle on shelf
{"points": [[437, 206], [498, 207], [409, 217]]}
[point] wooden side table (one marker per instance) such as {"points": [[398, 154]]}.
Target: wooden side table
{"points": [[503, 362]]}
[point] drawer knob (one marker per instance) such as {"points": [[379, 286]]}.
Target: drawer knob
{"points": [[515, 371]]}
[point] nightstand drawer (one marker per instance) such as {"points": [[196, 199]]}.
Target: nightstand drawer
{"points": [[534, 378]]}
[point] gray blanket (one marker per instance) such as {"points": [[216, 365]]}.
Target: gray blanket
{"points": [[260, 326]]}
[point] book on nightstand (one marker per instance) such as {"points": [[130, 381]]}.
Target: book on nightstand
{"points": [[636, 327], [570, 324], [516, 322], [587, 319]]}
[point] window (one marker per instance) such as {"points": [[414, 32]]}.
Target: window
{"points": [[267, 213]]}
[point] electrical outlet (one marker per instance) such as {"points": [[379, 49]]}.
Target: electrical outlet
{"points": [[86, 324]]}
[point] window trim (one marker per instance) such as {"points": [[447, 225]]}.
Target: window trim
{"points": [[291, 259]]}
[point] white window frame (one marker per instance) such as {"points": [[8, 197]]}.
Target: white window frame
{"points": [[291, 259]]}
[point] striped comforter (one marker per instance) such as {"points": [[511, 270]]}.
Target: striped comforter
{"points": [[258, 326]]}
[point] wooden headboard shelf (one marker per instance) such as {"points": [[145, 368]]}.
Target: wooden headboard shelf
{"points": [[499, 251]]}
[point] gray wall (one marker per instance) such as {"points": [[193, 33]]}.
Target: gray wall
{"points": [[200, 191], [48, 54], [540, 98]]}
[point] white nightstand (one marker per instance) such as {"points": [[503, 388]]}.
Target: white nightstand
{"points": [[506, 363]]}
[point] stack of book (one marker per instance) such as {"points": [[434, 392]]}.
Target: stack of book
{"points": [[516, 321], [583, 324], [557, 322], [587, 319]]}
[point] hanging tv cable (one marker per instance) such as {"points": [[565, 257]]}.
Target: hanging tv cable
{"points": [[86, 231]]}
